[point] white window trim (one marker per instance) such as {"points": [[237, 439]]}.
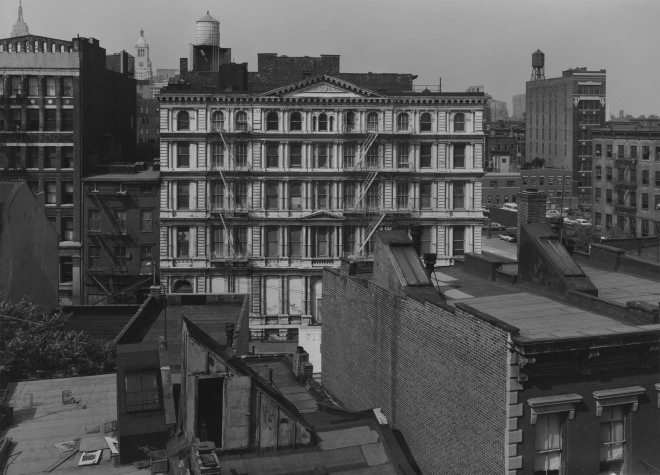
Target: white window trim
{"points": [[617, 397], [551, 404]]}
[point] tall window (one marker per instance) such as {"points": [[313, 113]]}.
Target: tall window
{"points": [[50, 119], [33, 86], [217, 195], [146, 256], [183, 241], [217, 155], [321, 238], [322, 155], [349, 239], [620, 151], [459, 195], [349, 155], [459, 240], [613, 439], [372, 122], [633, 151], [351, 122], [142, 391], [272, 195], [373, 156], [240, 240], [51, 87], [183, 195], [349, 194], [183, 155], [51, 192], [120, 255], [183, 121], [403, 155], [94, 223], [459, 155], [425, 122], [67, 229], [322, 195], [66, 269], [217, 241], [373, 196], [402, 195], [67, 193], [295, 248], [272, 241], [218, 121], [295, 155], [67, 120], [402, 121], [241, 194], [272, 121], [241, 154], [646, 152], [67, 85], [146, 220], [295, 195], [33, 119], [295, 121], [93, 256], [425, 155], [241, 121], [120, 218], [272, 154], [599, 150], [425, 240], [322, 122], [67, 157], [50, 154], [645, 177], [425, 194], [459, 122], [548, 444]]}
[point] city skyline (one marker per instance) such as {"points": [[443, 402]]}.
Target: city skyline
{"points": [[487, 43]]}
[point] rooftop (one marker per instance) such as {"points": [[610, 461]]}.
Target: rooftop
{"points": [[147, 175], [41, 420]]}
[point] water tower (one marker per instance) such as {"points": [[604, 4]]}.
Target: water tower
{"points": [[207, 31], [206, 53], [538, 65]]}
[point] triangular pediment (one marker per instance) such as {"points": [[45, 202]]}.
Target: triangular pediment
{"points": [[322, 215], [323, 87]]}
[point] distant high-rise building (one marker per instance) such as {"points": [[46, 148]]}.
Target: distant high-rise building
{"points": [[20, 28], [475, 89], [142, 61], [518, 112], [496, 110], [560, 113]]}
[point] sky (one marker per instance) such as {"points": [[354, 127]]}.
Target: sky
{"points": [[464, 42]]}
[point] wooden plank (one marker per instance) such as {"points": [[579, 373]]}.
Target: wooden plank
{"points": [[236, 415], [268, 422]]}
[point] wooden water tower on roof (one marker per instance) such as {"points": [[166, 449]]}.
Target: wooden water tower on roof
{"points": [[538, 65]]}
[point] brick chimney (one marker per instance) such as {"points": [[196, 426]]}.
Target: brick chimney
{"points": [[531, 208]]}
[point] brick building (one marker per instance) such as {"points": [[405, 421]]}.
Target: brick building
{"points": [[120, 242], [52, 137], [481, 375], [270, 176], [519, 111], [500, 188], [561, 112], [626, 158]]}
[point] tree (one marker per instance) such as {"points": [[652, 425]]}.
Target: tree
{"points": [[583, 236], [33, 344]]}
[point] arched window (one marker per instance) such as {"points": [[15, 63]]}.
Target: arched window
{"points": [[241, 121], [19, 47], [295, 121], [10, 47], [36, 46], [183, 121], [62, 49], [323, 123], [402, 121], [459, 122], [272, 121], [425, 122], [218, 121], [372, 122], [182, 287]]}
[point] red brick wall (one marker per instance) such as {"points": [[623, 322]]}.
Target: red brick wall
{"points": [[439, 374]]}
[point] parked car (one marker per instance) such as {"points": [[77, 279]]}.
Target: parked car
{"points": [[552, 213], [583, 222], [568, 220], [493, 226], [508, 237]]}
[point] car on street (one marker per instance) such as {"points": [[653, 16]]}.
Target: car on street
{"points": [[508, 237], [583, 222], [552, 213], [493, 226], [568, 220]]}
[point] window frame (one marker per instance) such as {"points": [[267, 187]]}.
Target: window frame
{"points": [[183, 121], [459, 122], [402, 122], [426, 122], [218, 121], [272, 121], [462, 156], [146, 220], [295, 121], [426, 155], [183, 155], [152, 403]]}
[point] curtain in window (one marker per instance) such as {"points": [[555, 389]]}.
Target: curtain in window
{"points": [[547, 443], [612, 433]]}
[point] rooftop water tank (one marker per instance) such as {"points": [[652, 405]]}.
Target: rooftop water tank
{"points": [[207, 31], [538, 59]]}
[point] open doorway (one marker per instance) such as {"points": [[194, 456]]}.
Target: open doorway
{"points": [[209, 409]]}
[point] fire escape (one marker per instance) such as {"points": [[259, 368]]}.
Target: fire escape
{"points": [[626, 186]]}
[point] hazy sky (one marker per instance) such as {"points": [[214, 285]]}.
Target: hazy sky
{"points": [[464, 42]]}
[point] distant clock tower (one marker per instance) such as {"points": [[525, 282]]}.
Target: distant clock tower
{"points": [[142, 61]]}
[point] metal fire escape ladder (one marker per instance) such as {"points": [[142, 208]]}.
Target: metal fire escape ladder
{"points": [[364, 148], [124, 290], [372, 227], [103, 205], [100, 241], [230, 195]]}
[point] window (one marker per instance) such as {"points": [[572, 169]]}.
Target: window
{"points": [[32, 157], [323, 123], [120, 255], [541, 180], [657, 153], [645, 201], [16, 121], [272, 154], [183, 155], [322, 195], [183, 241], [598, 196], [322, 155], [93, 256], [350, 125], [533, 181], [67, 85], [646, 153], [272, 121], [599, 173], [548, 443], [50, 155], [218, 121], [599, 150], [67, 120], [51, 192], [512, 183], [67, 229], [524, 180], [241, 121], [620, 151], [645, 227], [295, 195], [349, 155], [51, 87], [33, 119], [459, 155], [403, 155], [608, 197], [645, 177], [217, 241], [146, 258], [295, 121], [322, 242], [120, 218], [372, 122], [608, 174], [94, 218], [295, 155], [633, 151], [67, 157], [425, 240], [146, 220], [608, 221], [402, 195], [613, 439], [142, 391], [240, 194], [183, 195], [459, 240], [33, 86], [657, 178], [240, 154], [67, 193], [373, 196], [459, 195], [608, 150], [66, 269], [459, 122], [272, 195], [425, 155], [425, 194], [50, 119], [240, 240], [425, 122], [349, 194], [295, 247], [349, 239], [183, 121], [272, 241], [373, 156], [217, 195], [217, 155], [402, 122]]}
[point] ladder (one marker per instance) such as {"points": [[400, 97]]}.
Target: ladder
{"points": [[364, 148], [104, 206], [230, 195], [371, 227]]}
